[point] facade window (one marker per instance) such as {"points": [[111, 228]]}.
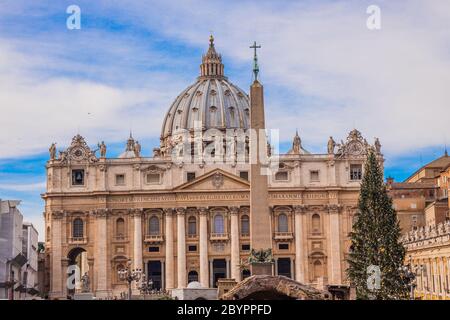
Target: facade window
{"points": [[283, 246], [192, 248], [355, 172], [218, 224], [78, 177], [318, 269], [192, 226], [284, 267], [192, 276], [190, 176], [243, 175], [48, 234], [154, 226], [245, 225], [282, 223], [120, 227], [245, 247], [77, 228], [120, 179], [281, 176], [316, 223], [153, 249], [314, 175], [153, 178], [246, 273]]}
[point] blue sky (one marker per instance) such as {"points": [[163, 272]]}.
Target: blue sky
{"points": [[324, 74]]}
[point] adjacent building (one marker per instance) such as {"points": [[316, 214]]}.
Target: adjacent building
{"points": [[428, 245], [18, 256]]}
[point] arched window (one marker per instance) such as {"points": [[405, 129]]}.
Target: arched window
{"points": [[282, 223], [154, 226], [48, 234], [316, 223], [192, 276], [192, 226], [120, 227], [318, 269], [77, 228], [218, 224], [245, 225]]}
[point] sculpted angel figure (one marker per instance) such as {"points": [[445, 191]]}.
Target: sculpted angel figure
{"points": [[377, 145]]}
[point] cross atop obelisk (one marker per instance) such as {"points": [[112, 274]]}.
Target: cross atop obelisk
{"points": [[255, 60]]}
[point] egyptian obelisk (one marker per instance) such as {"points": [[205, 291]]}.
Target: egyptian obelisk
{"points": [[260, 228]]}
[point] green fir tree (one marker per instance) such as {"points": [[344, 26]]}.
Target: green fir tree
{"points": [[375, 239]]}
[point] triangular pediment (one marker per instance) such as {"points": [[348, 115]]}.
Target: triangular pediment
{"points": [[215, 180]]}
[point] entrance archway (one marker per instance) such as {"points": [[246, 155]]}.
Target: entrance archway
{"points": [[78, 257]]}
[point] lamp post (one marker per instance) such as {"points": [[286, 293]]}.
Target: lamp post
{"points": [[130, 275], [410, 273], [146, 285]]}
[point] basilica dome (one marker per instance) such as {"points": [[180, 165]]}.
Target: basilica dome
{"points": [[211, 102]]}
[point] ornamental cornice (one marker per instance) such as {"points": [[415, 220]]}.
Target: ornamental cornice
{"points": [[300, 209], [58, 215], [180, 211], [334, 208], [168, 211]]}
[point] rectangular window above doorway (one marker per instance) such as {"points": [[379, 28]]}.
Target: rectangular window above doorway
{"points": [[192, 248], [153, 249], [78, 177], [190, 176], [245, 247], [153, 178], [314, 175], [243, 175], [281, 176], [120, 179], [283, 246], [355, 172]]}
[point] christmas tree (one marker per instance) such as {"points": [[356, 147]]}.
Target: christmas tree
{"points": [[376, 254]]}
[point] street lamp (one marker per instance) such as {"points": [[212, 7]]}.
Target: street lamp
{"points": [[129, 275], [146, 285], [410, 274]]}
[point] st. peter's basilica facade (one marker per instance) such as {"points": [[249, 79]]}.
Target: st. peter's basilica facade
{"points": [[184, 221]]}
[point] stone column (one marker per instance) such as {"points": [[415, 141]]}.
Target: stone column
{"points": [[235, 272], [300, 245], [211, 274], [56, 252], [203, 230], [181, 248], [335, 245], [137, 244], [64, 268], [101, 259], [169, 270]]}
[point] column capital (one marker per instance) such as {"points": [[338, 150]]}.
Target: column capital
{"points": [[300, 209], [101, 213], [234, 210], [202, 210], [180, 211], [334, 208], [136, 212], [168, 211], [58, 214]]}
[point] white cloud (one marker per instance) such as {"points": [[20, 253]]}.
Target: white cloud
{"points": [[390, 83], [38, 186]]}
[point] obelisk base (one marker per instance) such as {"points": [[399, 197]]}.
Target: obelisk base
{"points": [[261, 268]]}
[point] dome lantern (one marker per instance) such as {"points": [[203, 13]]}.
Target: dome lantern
{"points": [[212, 65]]}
